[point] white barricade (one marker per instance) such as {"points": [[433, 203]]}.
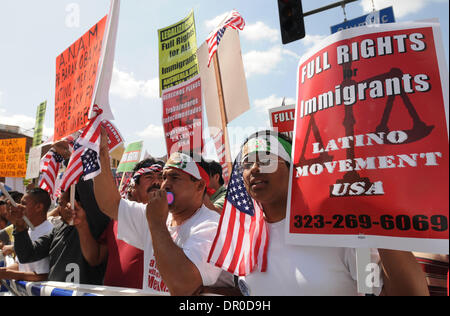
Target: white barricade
{"points": [[22, 288]]}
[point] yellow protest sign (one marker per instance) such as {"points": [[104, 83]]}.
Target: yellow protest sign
{"points": [[12, 158], [177, 53]]}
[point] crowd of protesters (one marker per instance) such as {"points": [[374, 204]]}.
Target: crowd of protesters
{"points": [[158, 236]]}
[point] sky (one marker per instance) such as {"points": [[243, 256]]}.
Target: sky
{"points": [[34, 33]]}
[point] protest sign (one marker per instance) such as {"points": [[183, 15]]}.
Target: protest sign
{"points": [[182, 117], [282, 119], [370, 156], [177, 53], [12, 158], [76, 74], [130, 157], [114, 136], [39, 125], [34, 162]]}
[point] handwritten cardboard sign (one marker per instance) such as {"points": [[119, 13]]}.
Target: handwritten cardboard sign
{"points": [[76, 73], [12, 158]]}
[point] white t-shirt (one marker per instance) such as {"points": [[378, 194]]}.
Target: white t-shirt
{"points": [[42, 266], [195, 236], [300, 270]]}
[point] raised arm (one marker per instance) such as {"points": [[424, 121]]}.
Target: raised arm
{"points": [[94, 252], [402, 274], [179, 274], [106, 193]]}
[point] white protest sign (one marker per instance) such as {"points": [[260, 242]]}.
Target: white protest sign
{"points": [[34, 160]]}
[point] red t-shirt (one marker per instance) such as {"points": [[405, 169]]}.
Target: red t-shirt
{"points": [[125, 262]]}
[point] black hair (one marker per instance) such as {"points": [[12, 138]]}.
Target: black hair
{"points": [[216, 168], [40, 196], [145, 164], [16, 196]]}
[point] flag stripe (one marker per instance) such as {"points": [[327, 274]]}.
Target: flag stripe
{"points": [[229, 234], [241, 240], [49, 167], [85, 157]]}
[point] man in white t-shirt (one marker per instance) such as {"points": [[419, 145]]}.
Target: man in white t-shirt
{"points": [[262, 168], [176, 239], [35, 205]]}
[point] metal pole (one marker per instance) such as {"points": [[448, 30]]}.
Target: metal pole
{"points": [[330, 6]]}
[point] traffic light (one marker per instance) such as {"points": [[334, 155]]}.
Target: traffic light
{"points": [[291, 20]]}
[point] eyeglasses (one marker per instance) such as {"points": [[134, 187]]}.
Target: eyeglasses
{"points": [[266, 165]]}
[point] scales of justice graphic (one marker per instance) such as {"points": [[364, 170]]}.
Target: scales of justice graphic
{"points": [[417, 132]]}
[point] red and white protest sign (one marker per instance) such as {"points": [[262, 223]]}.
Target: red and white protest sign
{"points": [[370, 156], [282, 119], [114, 136], [182, 117]]}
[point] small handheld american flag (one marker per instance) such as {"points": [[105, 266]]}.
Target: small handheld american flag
{"points": [[50, 165], [233, 20], [85, 156], [242, 237]]}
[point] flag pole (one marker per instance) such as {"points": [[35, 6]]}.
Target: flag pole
{"points": [[223, 113], [72, 200], [121, 181]]}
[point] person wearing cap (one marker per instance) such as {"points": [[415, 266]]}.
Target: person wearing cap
{"points": [[124, 263], [175, 238], [283, 269]]}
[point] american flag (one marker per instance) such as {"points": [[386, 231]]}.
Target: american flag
{"points": [[233, 20], [242, 238], [85, 156], [50, 165]]}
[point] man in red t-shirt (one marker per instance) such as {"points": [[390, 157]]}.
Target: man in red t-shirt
{"points": [[124, 262]]}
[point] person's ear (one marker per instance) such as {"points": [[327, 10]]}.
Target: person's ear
{"points": [[39, 207], [201, 185]]}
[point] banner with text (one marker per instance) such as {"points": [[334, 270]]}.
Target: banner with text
{"points": [[76, 74], [177, 53], [130, 157], [12, 158], [114, 136], [370, 157], [39, 125], [182, 117]]}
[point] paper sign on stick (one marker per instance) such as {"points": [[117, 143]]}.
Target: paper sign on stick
{"points": [[130, 157], [282, 119], [370, 157], [34, 162]]}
